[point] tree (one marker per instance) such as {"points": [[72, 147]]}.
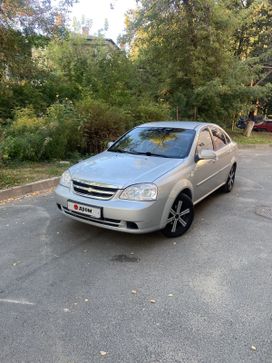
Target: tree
{"points": [[33, 16], [92, 68], [25, 24], [185, 50]]}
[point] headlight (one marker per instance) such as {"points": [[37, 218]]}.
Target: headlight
{"points": [[142, 192], [65, 179]]}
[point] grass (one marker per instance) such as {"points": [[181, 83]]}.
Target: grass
{"points": [[22, 173], [257, 137]]}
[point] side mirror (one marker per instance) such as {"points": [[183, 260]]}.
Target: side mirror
{"points": [[110, 143], [206, 155]]}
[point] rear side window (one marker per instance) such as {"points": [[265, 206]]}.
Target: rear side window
{"points": [[219, 138], [204, 141], [228, 140]]}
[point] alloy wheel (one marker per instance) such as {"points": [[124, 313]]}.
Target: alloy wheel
{"points": [[180, 217]]}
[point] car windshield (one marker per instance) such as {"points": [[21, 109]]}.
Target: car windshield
{"points": [[164, 142]]}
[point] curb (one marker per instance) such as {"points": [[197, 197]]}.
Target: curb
{"points": [[254, 146], [22, 190]]}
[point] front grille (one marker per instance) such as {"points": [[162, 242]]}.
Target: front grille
{"points": [[106, 221], [93, 191]]}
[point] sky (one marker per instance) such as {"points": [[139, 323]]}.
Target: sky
{"points": [[99, 10]]}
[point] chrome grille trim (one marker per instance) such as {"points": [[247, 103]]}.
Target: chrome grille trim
{"points": [[93, 190]]}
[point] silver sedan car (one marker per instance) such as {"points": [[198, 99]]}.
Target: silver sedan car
{"points": [[150, 178]]}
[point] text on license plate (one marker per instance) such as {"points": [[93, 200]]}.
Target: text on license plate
{"points": [[85, 209]]}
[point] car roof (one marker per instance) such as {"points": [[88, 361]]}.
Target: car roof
{"points": [[191, 125]]}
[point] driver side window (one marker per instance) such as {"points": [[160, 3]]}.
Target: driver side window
{"points": [[204, 141]]}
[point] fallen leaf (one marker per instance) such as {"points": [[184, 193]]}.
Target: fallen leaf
{"points": [[152, 301], [253, 348], [103, 353]]}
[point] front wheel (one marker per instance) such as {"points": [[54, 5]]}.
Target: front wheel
{"points": [[180, 217]]}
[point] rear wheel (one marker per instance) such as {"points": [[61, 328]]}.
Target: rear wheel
{"points": [[230, 181], [180, 217]]}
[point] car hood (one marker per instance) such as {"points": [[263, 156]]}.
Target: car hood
{"points": [[121, 170]]}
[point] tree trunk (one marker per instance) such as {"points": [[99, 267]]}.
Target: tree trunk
{"points": [[249, 128]]}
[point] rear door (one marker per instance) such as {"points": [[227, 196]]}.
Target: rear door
{"points": [[221, 144], [205, 170]]}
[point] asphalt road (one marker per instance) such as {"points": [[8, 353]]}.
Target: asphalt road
{"points": [[66, 287]]}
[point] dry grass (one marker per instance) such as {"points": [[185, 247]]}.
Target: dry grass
{"points": [[15, 174], [257, 137]]}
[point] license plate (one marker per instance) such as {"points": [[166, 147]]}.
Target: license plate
{"points": [[85, 209]]}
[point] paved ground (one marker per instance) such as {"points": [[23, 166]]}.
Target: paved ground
{"points": [[65, 296]]}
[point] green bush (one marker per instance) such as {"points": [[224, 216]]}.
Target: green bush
{"points": [[147, 112], [100, 123], [54, 135], [22, 140], [64, 130], [67, 129]]}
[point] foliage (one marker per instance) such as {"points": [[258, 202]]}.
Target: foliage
{"points": [[53, 135], [63, 94], [24, 24], [33, 16], [187, 51], [92, 68], [67, 128], [150, 111], [251, 37], [100, 123]]}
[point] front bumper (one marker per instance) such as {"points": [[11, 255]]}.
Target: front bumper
{"points": [[120, 215]]}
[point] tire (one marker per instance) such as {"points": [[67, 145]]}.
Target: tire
{"points": [[227, 188], [180, 217]]}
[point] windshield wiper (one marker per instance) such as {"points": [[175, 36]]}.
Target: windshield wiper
{"points": [[148, 153], [118, 151]]}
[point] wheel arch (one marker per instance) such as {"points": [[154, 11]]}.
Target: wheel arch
{"points": [[186, 191], [234, 162]]}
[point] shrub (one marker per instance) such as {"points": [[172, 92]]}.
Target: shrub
{"points": [[23, 138], [53, 135], [26, 119], [64, 130], [100, 123], [146, 112], [67, 129]]}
